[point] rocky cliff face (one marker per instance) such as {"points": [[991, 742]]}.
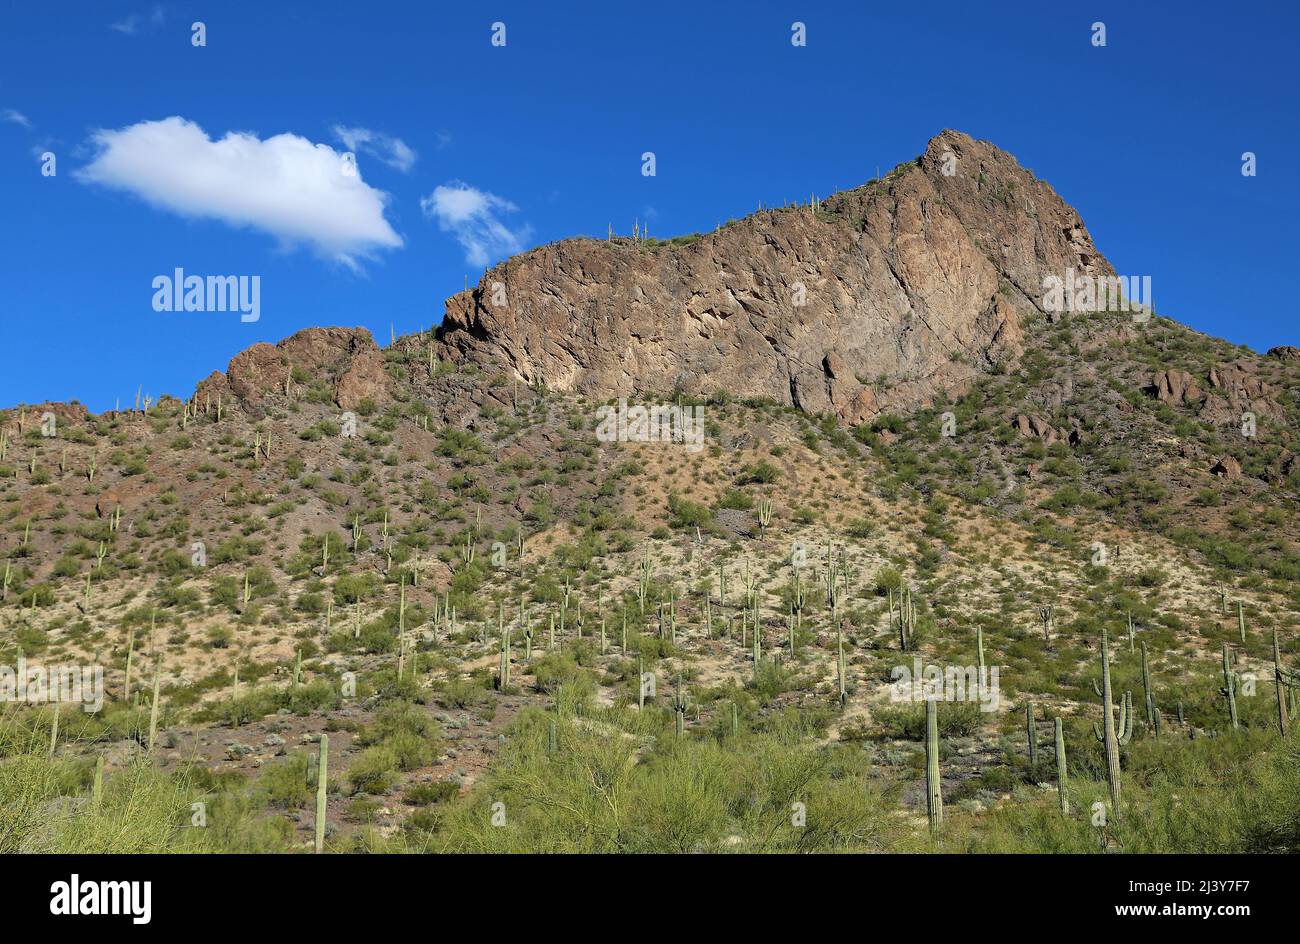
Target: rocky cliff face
{"points": [[881, 299]]}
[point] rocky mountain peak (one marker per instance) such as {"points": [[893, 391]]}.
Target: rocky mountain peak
{"points": [[879, 298]]}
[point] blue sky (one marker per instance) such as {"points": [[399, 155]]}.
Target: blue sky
{"points": [[467, 150]]}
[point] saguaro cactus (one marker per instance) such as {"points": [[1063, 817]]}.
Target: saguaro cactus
{"points": [[1148, 697], [1060, 770], [680, 705], [153, 709], [1241, 621], [504, 672], [322, 780], [1109, 734], [1283, 679], [933, 791], [130, 654], [798, 596], [1229, 690], [643, 583], [1046, 614], [1032, 732], [841, 665], [832, 588], [97, 787]]}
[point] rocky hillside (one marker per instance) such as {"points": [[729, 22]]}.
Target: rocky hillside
{"points": [[426, 554]]}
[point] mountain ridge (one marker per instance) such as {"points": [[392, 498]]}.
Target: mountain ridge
{"points": [[901, 278]]}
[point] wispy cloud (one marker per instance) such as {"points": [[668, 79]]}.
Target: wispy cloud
{"points": [[17, 117], [473, 216], [131, 24], [392, 151], [299, 192]]}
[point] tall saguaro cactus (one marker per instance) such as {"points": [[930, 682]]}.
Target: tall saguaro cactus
{"points": [[642, 584], [1060, 769], [322, 778], [504, 671], [153, 709], [1112, 736], [798, 596], [1283, 679], [841, 666], [1148, 698], [1229, 690], [933, 790], [680, 705], [130, 654], [906, 619], [1031, 730]]}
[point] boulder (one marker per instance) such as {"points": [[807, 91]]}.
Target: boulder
{"points": [[1227, 467], [1175, 387]]}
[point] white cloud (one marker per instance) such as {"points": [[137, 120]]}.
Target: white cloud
{"points": [[298, 191], [131, 25], [392, 151], [473, 217], [16, 117]]}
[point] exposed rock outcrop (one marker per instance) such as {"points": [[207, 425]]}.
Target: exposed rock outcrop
{"points": [[1242, 390], [886, 297], [1033, 426], [346, 357], [1175, 387], [1227, 467]]}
